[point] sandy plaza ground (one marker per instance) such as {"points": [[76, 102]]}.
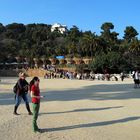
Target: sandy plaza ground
{"points": [[74, 110]]}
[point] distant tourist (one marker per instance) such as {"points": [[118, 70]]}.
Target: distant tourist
{"points": [[116, 78], [35, 95], [122, 76], [136, 79], [21, 93]]}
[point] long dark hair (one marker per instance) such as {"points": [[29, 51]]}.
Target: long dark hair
{"points": [[33, 81]]}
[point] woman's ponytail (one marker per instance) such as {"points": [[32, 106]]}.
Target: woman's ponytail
{"points": [[33, 81]]}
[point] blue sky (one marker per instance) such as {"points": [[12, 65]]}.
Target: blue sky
{"points": [[85, 14]]}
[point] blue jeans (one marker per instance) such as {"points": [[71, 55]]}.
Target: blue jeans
{"points": [[18, 99]]}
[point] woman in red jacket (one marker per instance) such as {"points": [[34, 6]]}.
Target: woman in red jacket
{"points": [[35, 95]]}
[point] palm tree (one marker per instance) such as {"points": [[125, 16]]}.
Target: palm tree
{"points": [[89, 39], [135, 46], [108, 38], [130, 33]]}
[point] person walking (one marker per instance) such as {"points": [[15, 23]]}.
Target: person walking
{"points": [[122, 76], [35, 95], [136, 79], [22, 90]]}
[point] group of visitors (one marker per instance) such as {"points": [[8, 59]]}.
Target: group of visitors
{"points": [[64, 74]]}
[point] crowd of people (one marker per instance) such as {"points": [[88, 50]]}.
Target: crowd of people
{"points": [[53, 73], [64, 74]]}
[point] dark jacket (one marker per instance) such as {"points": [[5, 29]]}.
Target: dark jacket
{"points": [[22, 86]]}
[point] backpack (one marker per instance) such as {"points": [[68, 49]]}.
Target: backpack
{"points": [[15, 88]]}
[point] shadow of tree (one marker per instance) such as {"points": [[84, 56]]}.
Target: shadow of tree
{"points": [[8, 98], [94, 92]]}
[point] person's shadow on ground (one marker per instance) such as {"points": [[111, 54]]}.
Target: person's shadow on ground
{"points": [[97, 124]]}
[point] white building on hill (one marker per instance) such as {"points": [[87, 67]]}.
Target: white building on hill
{"points": [[61, 28]]}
